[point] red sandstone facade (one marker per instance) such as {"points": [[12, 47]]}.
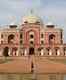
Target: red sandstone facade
{"points": [[32, 38]]}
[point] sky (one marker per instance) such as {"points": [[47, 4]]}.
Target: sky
{"points": [[48, 10]]}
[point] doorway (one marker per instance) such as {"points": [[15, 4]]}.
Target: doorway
{"points": [[31, 51]]}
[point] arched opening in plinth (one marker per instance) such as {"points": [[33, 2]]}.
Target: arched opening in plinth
{"points": [[31, 51], [5, 51]]}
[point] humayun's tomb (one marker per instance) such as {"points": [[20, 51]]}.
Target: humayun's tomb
{"points": [[32, 38], [32, 51]]}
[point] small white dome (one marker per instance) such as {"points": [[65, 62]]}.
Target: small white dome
{"points": [[12, 23], [50, 23]]}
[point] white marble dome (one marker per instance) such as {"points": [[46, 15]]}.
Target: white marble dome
{"points": [[30, 19]]}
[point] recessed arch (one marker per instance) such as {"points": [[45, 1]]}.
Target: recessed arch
{"points": [[51, 39], [10, 38]]}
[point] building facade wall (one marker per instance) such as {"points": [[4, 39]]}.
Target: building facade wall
{"points": [[45, 40]]}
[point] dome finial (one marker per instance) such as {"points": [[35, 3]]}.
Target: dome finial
{"points": [[31, 11]]}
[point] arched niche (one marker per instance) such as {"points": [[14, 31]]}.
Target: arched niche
{"points": [[51, 39], [10, 38]]}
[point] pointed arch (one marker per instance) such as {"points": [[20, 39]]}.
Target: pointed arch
{"points": [[51, 39]]}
